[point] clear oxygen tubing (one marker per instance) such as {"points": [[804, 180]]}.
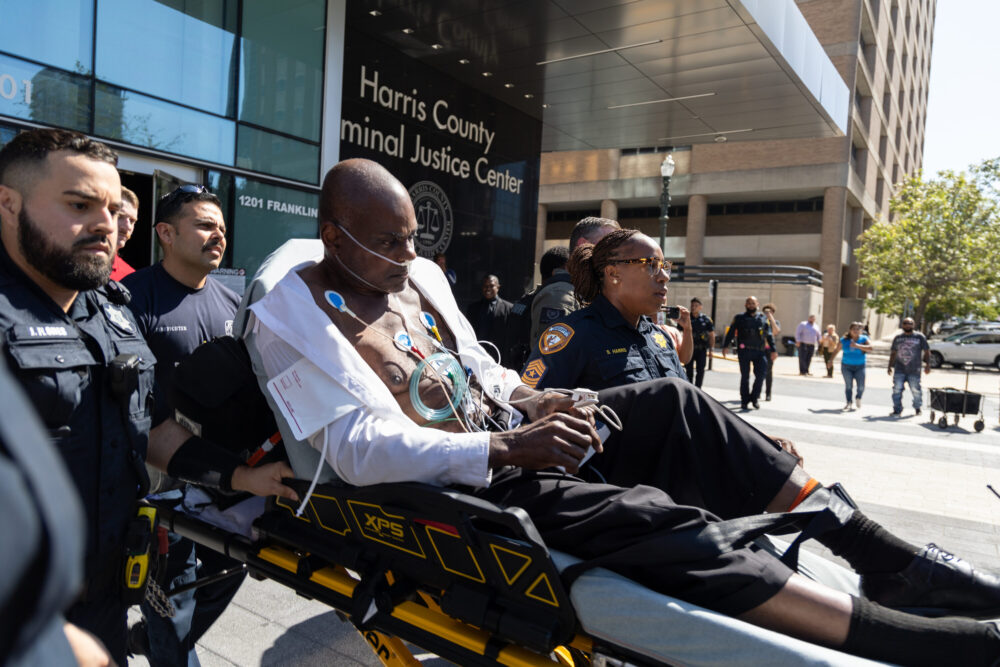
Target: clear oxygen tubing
{"points": [[404, 265], [582, 398]]}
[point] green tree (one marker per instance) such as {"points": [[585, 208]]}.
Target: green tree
{"points": [[941, 250]]}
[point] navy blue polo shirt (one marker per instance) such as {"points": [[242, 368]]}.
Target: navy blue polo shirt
{"points": [[175, 319], [596, 348]]}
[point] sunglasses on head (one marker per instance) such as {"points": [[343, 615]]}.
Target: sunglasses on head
{"points": [[181, 191]]}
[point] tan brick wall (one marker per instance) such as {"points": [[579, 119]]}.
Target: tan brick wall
{"points": [[579, 166], [747, 155], [832, 21], [805, 222], [648, 164]]}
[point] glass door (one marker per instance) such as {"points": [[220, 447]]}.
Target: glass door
{"points": [[163, 183]]}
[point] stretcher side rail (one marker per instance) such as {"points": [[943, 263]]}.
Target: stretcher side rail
{"points": [[485, 566], [490, 563]]}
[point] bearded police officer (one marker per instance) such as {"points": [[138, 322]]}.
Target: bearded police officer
{"points": [[74, 347], [754, 346]]}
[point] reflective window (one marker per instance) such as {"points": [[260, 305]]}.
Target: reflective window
{"points": [[6, 134], [44, 94], [179, 50], [265, 216], [144, 121], [506, 211], [55, 32], [272, 154], [281, 78]]}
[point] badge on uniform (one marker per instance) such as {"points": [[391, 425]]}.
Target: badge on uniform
{"points": [[117, 318], [550, 315], [660, 339], [555, 338], [533, 372]]}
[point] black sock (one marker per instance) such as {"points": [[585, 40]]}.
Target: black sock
{"points": [[886, 634], [868, 547]]}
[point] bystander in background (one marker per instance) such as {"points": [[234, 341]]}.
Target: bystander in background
{"points": [[856, 347], [806, 339], [904, 365], [830, 345], [769, 311]]}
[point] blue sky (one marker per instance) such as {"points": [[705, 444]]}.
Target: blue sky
{"points": [[964, 92]]}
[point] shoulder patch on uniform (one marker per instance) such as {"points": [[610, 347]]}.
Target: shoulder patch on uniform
{"points": [[118, 318], [660, 339], [533, 372], [555, 338]]}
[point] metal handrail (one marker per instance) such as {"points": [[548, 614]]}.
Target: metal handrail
{"points": [[750, 273]]}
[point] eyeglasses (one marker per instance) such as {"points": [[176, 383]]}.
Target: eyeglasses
{"points": [[652, 264], [180, 191]]}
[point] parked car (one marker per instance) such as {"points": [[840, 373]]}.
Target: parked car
{"points": [[982, 348], [962, 328]]}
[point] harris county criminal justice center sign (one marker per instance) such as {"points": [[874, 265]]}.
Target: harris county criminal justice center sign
{"points": [[470, 162]]}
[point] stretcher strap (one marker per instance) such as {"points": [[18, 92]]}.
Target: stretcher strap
{"points": [[822, 511]]}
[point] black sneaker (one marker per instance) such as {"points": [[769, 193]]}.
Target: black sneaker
{"points": [[743, 406], [756, 405], [898, 413], [936, 583], [916, 412]]}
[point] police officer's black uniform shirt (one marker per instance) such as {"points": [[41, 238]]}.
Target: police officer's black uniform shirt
{"points": [[751, 331], [175, 319], [596, 348], [61, 360], [701, 326]]}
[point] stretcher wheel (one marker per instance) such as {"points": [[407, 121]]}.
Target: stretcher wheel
{"points": [[979, 425], [943, 422]]}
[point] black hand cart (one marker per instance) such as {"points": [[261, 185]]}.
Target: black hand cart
{"points": [[958, 402]]}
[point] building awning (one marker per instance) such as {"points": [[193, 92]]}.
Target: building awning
{"points": [[620, 73]]}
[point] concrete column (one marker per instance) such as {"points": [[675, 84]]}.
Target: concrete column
{"points": [[609, 209], [694, 244], [542, 221], [831, 252], [855, 227]]}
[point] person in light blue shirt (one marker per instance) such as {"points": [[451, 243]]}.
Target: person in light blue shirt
{"points": [[855, 346]]}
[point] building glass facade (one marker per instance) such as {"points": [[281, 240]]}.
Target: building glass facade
{"points": [[213, 83], [223, 81]]}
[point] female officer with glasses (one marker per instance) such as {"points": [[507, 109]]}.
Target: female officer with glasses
{"points": [[612, 341]]}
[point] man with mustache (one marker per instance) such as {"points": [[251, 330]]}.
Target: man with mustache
{"points": [[178, 307]]}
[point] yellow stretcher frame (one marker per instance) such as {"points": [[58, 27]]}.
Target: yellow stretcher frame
{"points": [[419, 620]]}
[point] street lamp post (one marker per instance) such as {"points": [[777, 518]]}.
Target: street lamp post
{"points": [[666, 171]]}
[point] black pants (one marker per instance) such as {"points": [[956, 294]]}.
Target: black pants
{"points": [[695, 368], [683, 460], [758, 359], [172, 640], [806, 351]]}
